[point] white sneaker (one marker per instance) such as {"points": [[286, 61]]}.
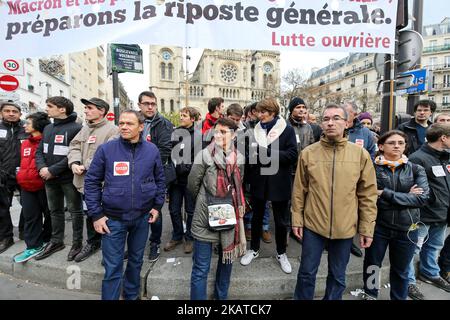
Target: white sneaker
{"points": [[248, 257], [284, 263]]}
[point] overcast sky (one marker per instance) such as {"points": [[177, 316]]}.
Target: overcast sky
{"points": [[434, 12]]}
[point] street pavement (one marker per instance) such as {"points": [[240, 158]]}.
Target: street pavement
{"points": [[176, 264]]}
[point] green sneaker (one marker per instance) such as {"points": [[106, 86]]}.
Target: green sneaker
{"points": [[27, 254]]}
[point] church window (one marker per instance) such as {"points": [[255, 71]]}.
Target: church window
{"points": [[170, 71], [163, 70], [228, 73]]}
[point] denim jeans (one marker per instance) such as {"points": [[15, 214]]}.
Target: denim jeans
{"points": [[401, 252], [55, 197], [266, 219], [156, 230], [201, 263], [444, 257], [176, 195], [428, 251], [135, 234], [338, 257], [93, 237]]}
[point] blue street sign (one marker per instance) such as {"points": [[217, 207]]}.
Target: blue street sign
{"points": [[417, 80]]}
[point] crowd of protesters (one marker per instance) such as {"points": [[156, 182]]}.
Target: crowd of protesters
{"points": [[333, 182]]}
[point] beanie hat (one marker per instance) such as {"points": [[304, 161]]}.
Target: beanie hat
{"points": [[9, 103], [295, 102], [365, 115]]}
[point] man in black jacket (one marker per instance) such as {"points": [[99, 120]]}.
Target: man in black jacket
{"points": [[11, 135], [416, 128], [435, 159], [157, 130], [187, 142], [52, 163]]}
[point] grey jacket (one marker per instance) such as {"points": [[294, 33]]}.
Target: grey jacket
{"points": [[203, 177]]}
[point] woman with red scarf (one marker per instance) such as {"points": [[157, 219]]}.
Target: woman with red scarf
{"points": [[216, 180], [34, 200]]}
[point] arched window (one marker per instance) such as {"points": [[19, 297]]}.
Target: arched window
{"points": [[202, 92], [163, 70], [190, 91], [170, 71], [172, 106], [265, 82], [163, 108]]}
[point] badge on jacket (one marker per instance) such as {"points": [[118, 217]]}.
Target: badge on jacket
{"points": [[92, 139], [438, 171], [359, 142], [448, 168], [26, 152], [121, 168], [3, 133], [59, 138], [148, 138]]}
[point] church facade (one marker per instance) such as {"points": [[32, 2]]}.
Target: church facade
{"points": [[238, 76]]}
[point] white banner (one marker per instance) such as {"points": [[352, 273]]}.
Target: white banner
{"points": [[45, 27]]}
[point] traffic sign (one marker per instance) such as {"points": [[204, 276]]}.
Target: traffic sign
{"points": [[415, 81], [8, 83], [12, 67], [110, 116]]}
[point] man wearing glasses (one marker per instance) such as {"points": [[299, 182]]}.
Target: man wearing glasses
{"points": [[157, 130], [334, 197]]}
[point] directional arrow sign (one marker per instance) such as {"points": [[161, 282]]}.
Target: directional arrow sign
{"points": [[8, 83]]}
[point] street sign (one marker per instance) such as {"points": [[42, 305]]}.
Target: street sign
{"points": [[126, 58], [415, 81], [410, 46], [9, 96], [110, 116], [12, 67], [8, 83]]}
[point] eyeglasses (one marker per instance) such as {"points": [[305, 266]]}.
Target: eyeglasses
{"points": [[148, 104], [393, 143], [334, 119]]}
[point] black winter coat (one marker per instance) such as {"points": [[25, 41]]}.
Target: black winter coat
{"points": [[159, 131], [54, 148], [186, 143], [437, 208], [409, 128], [11, 135], [397, 208], [277, 160]]}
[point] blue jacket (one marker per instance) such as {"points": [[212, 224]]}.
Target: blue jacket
{"points": [[133, 179], [358, 132]]}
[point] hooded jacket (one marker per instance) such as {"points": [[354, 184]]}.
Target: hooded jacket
{"points": [[437, 208], [409, 128], [28, 176], [335, 190], [82, 148], [54, 148], [362, 137], [11, 136]]}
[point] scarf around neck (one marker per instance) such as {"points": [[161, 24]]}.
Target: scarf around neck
{"points": [[381, 160], [233, 241]]}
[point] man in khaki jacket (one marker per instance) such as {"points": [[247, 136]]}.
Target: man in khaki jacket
{"points": [[334, 197], [97, 131]]}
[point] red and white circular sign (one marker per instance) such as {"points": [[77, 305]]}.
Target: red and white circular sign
{"points": [[11, 65], [8, 83], [110, 116], [121, 168]]}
